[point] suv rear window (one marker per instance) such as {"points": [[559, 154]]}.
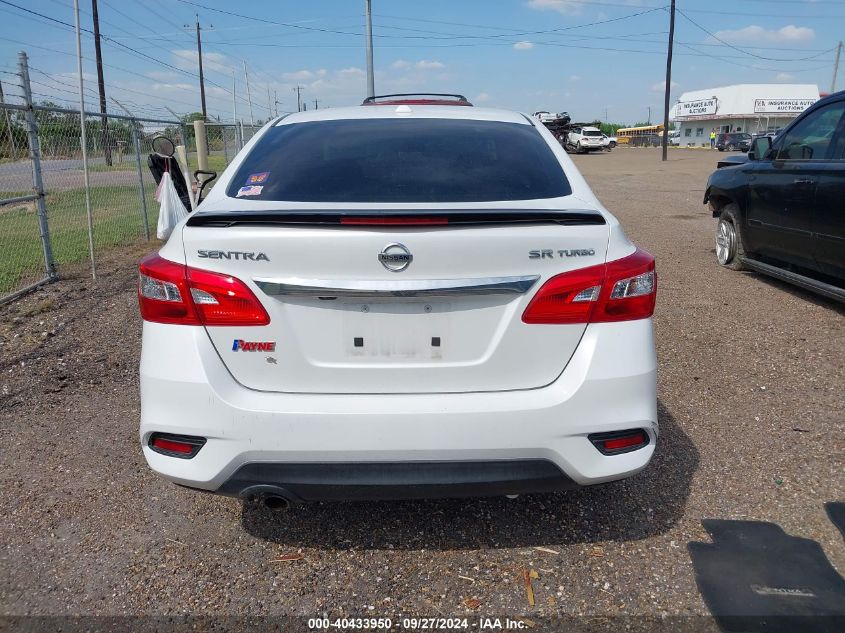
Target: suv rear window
{"points": [[411, 160], [592, 133]]}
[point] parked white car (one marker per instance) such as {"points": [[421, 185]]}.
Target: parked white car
{"points": [[585, 139], [675, 138], [398, 301]]}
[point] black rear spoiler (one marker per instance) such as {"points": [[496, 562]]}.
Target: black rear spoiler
{"points": [[396, 217]]}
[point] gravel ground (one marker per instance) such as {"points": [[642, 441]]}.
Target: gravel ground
{"points": [[751, 410]]}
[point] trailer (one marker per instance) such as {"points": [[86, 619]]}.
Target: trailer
{"points": [[561, 124]]}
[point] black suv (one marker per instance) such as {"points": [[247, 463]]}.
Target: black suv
{"points": [[782, 212], [733, 141]]}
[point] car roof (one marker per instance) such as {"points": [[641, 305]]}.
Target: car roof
{"points": [[405, 111]]}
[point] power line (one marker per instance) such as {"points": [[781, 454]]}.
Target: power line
{"points": [[112, 41], [736, 48]]}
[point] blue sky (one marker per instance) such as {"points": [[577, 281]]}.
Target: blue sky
{"points": [[581, 56]]}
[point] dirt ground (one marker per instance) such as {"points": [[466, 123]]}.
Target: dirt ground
{"points": [[751, 382]]}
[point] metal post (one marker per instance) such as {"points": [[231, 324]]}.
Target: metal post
{"points": [[141, 191], [240, 128], [234, 100], [665, 141], [836, 68], [84, 142], [368, 26], [248, 95], [35, 157], [202, 145]]}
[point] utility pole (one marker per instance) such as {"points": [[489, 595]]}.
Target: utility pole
{"points": [[316, 102], [248, 96], [298, 91], [648, 121], [836, 68], [368, 26], [269, 104], [202, 80], [101, 84], [665, 141], [83, 141], [276, 102]]}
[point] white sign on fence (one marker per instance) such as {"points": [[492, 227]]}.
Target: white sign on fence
{"points": [[701, 107], [773, 106]]}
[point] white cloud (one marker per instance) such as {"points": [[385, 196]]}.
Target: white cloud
{"points": [[400, 64], [75, 76], [660, 86], [187, 60], [425, 64], [164, 87], [161, 75], [299, 75], [481, 97], [523, 46], [784, 77], [574, 77], [756, 34], [561, 6]]}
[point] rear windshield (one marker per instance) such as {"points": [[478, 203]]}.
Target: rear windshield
{"points": [[592, 133], [411, 160]]}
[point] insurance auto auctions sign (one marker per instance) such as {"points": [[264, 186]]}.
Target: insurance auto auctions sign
{"points": [[773, 106], [702, 107]]}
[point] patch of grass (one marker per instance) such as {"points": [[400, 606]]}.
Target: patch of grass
{"points": [[117, 216], [38, 307], [128, 164]]}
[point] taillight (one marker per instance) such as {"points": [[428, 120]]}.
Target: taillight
{"points": [[393, 220], [621, 290], [174, 293]]}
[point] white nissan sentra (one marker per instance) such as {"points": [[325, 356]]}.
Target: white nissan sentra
{"points": [[404, 299]]}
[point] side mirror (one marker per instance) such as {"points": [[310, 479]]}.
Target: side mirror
{"points": [[760, 148]]}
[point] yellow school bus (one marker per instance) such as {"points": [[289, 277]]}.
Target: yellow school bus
{"points": [[642, 136]]}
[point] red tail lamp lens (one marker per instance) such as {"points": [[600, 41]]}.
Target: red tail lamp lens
{"points": [[183, 446], [617, 442], [174, 293], [620, 290]]}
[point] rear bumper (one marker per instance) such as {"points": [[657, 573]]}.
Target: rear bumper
{"points": [[337, 481], [347, 446]]}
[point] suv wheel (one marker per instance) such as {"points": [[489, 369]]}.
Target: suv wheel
{"points": [[729, 251], [731, 147]]}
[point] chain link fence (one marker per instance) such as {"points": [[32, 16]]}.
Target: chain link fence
{"points": [[44, 201], [225, 140]]}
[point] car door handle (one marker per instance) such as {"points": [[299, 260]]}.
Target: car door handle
{"points": [[804, 181]]}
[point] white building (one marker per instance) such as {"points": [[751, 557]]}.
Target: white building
{"points": [[741, 108]]}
